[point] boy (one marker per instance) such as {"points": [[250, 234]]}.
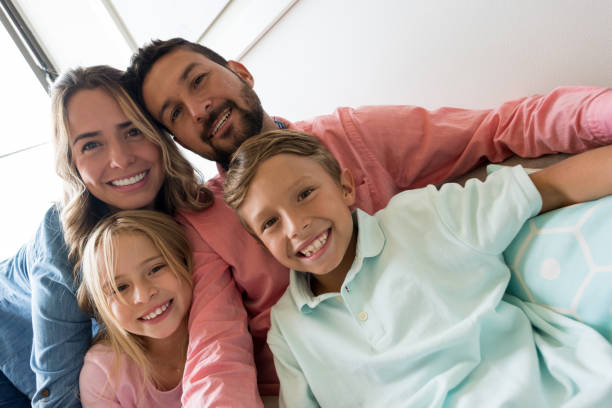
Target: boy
{"points": [[407, 307]]}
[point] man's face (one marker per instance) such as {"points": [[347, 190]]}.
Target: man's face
{"points": [[210, 109]]}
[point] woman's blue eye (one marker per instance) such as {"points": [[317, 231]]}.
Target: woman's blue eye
{"points": [[134, 132], [89, 145], [174, 114]]}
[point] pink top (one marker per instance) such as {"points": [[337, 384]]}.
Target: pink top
{"points": [[388, 149], [102, 387]]}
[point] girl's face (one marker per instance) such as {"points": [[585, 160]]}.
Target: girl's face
{"points": [[155, 301], [115, 160]]}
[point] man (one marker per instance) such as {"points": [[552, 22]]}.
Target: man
{"points": [[209, 106]]}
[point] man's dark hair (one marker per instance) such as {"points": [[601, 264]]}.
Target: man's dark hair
{"points": [[142, 61]]}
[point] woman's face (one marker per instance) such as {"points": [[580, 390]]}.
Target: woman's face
{"points": [[115, 160]]}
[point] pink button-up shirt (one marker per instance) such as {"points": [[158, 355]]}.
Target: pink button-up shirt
{"points": [[388, 149]]}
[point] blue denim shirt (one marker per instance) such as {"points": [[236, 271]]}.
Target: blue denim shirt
{"points": [[44, 334]]}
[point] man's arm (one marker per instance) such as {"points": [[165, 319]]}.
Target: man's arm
{"points": [[419, 147], [583, 177], [220, 370]]}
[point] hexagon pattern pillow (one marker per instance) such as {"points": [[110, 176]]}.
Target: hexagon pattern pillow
{"points": [[563, 259]]}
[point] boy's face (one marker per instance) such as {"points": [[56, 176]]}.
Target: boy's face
{"points": [[300, 213]]}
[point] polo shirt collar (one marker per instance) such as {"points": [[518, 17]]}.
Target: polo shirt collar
{"points": [[370, 242]]}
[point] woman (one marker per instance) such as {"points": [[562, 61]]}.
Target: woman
{"points": [[110, 158]]}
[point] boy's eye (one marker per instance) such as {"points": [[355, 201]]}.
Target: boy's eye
{"points": [[269, 223], [304, 194]]}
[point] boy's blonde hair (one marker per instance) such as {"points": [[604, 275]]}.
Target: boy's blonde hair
{"points": [[256, 150], [80, 209], [99, 266]]}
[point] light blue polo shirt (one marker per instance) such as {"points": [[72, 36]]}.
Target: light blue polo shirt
{"points": [[422, 319]]}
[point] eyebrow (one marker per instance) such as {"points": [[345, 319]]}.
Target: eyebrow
{"points": [[182, 78], [88, 135], [142, 263]]}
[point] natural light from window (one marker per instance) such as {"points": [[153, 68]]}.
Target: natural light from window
{"points": [[28, 182]]}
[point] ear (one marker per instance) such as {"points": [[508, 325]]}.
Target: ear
{"points": [[347, 183], [241, 71]]}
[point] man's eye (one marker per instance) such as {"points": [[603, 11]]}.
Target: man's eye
{"points": [[269, 223], [304, 194], [198, 80]]}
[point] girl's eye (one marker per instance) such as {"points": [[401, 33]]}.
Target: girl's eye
{"points": [[89, 146], [269, 223], [304, 194], [122, 287], [133, 132], [157, 268]]}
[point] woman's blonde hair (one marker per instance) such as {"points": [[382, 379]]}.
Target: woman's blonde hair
{"points": [[99, 266], [80, 209]]}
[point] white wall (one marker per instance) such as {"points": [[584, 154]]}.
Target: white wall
{"points": [[469, 53]]}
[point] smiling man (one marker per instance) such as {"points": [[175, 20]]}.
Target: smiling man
{"points": [[209, 106]]}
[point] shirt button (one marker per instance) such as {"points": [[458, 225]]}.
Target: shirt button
{"points": [[44, 392], [363, 316]]}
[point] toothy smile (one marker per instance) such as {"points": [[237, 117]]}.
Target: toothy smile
{"points": [[220, 123], [157, 311], [130, 180], [315, 245]]}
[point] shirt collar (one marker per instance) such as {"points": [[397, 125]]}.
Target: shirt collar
{"points": [[370, 242]]}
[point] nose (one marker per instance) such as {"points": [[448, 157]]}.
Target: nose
{"points": [[142, 292], [198, 108], [295, 224], [120, 154]]}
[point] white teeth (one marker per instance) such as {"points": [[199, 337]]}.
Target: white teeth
{"points": [[220, 123], [157, 312], [128, 181], [315, 246]]}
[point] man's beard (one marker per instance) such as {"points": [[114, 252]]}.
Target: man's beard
{"points": [[252, 119]]}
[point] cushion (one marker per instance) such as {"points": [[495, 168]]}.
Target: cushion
{"points": [[562, 259]]}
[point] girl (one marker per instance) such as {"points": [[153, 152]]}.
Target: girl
{"points": [[137, 282]]}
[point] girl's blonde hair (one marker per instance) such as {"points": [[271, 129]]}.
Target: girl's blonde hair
{"points": [[80, 209], [99, 265]]}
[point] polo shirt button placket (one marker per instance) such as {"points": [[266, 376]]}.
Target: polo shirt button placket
{"points": [[363, 316]]}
